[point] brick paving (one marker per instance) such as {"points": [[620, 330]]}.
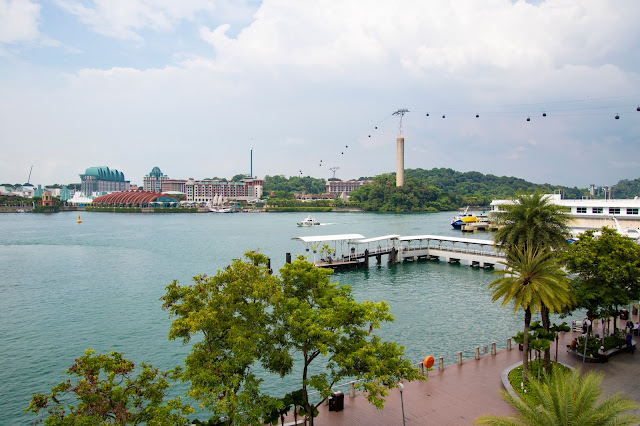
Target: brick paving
{"points": [[461, 393]]}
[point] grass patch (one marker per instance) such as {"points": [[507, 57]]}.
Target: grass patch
{"points": [[515, 378]]}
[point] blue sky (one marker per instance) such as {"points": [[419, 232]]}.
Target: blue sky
{"points": [[191, 86]]}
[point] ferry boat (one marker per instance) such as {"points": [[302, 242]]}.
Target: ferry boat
{"points": [[466, 218], [308, 221]]}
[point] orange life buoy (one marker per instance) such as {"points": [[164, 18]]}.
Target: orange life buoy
{"points": [[428, 361]]}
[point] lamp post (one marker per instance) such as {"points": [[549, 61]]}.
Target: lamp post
{"points": [[401, 387], [586, 339]]}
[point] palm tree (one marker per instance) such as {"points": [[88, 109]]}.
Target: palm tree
{"points": [[566, 398], [533, 278], [533, 220]]}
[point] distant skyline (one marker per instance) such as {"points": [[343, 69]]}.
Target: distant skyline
{"points": [[190, 86]]}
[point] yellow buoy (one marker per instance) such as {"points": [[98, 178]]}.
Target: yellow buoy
{"points": [[79, 220]]}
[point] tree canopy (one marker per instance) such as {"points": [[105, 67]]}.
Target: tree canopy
{"points": [[534, 222], [531, 281], [294, 184], [247, 318], [107, 391], [607, 269]]}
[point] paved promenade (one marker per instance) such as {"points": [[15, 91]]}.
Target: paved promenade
{"points": [[461, 393]]}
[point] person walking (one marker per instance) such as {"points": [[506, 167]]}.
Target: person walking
{"points": [[630, 346]]}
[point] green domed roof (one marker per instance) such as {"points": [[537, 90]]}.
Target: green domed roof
{"points": [[155, 172], [103, 173]]}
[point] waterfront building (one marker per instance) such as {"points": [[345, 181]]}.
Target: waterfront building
{"points": [[103, 180], [25, 191], [204, 191], [47, 198], [135, 199], [590, 213], [156, 181], [153, 181], [339, 187]]}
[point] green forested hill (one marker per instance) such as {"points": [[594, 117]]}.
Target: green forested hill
{"points": [[437, 189], [626, 189], [446, 189]]}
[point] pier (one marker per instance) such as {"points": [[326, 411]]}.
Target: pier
{"points": [[353, 251]]}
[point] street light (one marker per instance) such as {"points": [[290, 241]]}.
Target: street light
{"points": [[401, 387], [586, 339]]}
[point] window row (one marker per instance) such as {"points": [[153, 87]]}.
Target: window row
{"points": [[610, 210]]}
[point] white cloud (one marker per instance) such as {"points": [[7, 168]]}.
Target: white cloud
{"points": [[19, 21], [305, 79], [124, 19]]}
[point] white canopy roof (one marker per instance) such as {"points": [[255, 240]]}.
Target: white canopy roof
{"points": [[322, 238], [374, 239], [80, 198], [441, 238]]}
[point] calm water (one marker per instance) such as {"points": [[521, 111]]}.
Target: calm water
{"points": [[67, 287]]}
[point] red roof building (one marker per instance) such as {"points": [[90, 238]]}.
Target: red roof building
{"points": [[135, 199]]}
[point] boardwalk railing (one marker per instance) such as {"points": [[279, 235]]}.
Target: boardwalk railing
{"points": [[459, 357]]}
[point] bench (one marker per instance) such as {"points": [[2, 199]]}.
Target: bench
{"points": [[601, 358]]}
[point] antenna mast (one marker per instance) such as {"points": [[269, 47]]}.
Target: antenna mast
{"points": [[334, 169], [401, 112]]}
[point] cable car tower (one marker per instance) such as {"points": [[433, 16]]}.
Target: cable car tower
{"points": [[400, 149], [334, 170]]}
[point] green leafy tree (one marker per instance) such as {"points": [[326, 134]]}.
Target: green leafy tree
{"points": [[607, 269], [230, 312], [238, 178], [321, 321], [247, 317], [567, 398], [533, 221], [532, 279], [107, 391]]}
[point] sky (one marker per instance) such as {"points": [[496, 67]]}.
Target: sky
{"points": [[191, 86]]}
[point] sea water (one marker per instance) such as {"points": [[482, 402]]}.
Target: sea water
{"points": [[68, 286]]}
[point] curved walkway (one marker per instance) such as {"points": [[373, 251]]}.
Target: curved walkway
{"points": [[461, 393]]}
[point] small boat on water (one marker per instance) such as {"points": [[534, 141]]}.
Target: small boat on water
{"points": [[308, 221], [467, 218], [221, 209]]}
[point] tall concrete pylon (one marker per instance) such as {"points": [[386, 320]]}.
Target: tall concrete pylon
{"points": [[400, 162], [400, 149]]}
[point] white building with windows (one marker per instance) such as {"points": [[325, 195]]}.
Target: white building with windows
{"points": [[590, 213]]}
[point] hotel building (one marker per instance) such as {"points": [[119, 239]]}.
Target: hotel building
{"points": [[203, 191]]}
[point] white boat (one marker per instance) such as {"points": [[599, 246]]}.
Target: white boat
{"points": [[220, 209], [215, 205], [308, 221]]}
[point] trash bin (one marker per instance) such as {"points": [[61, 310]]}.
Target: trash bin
{"points": [[336, 401], [624, 314]]}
